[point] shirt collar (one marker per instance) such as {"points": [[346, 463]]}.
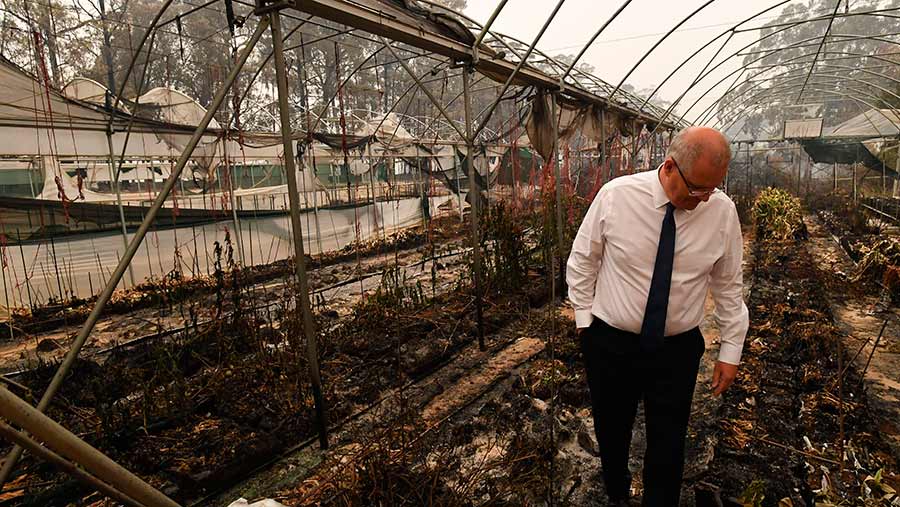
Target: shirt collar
{"points": [[659, 193], [660, 198]]}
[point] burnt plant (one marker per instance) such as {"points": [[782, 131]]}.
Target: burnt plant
{"points": [[503, 249], [544, 221], [841, 215], [219, 277]]}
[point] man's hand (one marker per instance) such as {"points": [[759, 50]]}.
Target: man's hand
{"points": [[723, 376]]}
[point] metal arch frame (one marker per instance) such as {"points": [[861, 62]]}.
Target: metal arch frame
{"points": [[844, 15], [657, 44], [812, 65], [594, 38], [345, 12], [767, 93], [735, 29], [599, 86], [515, 72], [757, 102], [703, 74], [758, 83], [705, 113], [786, 26], [781, 93], [849, 37], [850, 56], [833, 79], [778, 94], [747, 65], [730, 32], [744, 67]]}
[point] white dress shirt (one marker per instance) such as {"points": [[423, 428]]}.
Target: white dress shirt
{"points": [[613, 256]]}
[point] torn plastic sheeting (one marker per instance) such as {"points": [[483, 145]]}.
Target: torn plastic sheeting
{"points": [[242, 502], [573, 117]]}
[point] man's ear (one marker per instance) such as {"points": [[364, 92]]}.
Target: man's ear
{"points": [[668, 167]]}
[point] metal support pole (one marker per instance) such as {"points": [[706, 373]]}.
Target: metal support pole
{"points": [[602, 158], [422, 87], [114, 181], [474, 201], [458, 185], [485, 28], [854, 183], [21, 438], [728, 172], [749, 172], [296, 226], [62, 441], [9, 303], [558, 180], [234, 216], [635, 134], [896, 173], [139, 235], [522, 61], [834, 175]]}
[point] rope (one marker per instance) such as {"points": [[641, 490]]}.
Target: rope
{"points": [[343, 121], [48, 115]]}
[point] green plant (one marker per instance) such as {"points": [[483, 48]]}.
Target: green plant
{"points": [[778, 215], [754, 495]]}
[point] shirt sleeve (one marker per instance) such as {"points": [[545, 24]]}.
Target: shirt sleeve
{"points": [[727, 287], [583, 265]]}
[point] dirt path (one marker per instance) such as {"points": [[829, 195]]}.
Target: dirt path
{"points": [[860, 317], [481, 392], [701, 438], [495, 367], [466, 378]]}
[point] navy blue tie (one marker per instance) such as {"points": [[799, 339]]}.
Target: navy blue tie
{"points": [[654, 327]]}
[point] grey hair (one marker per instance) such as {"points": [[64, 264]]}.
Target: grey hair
{"points": [[686, 150]]}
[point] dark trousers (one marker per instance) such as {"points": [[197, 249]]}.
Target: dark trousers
{"points": [[619, 374]]}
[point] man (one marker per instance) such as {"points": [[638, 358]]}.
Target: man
{"points": [[650, 247]]}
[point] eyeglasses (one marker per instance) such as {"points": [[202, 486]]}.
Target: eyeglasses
{"points": [[694, 191]]}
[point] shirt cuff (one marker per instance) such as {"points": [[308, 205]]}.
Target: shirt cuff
{"points": [[583, 318], [730, 353]]}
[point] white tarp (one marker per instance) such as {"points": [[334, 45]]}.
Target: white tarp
{"points": [[172, 106], [90, 258], [802, 129], [388, 131], [85, 89], [871, 123]]}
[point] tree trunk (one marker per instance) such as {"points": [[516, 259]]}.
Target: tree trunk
{"points": [[107, 50], [49, 36]]}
